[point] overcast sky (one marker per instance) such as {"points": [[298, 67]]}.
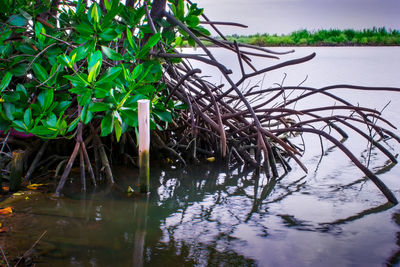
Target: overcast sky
{"points": [[284, 16]]}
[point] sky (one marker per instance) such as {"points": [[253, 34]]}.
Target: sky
{"points": [[285, 16]]}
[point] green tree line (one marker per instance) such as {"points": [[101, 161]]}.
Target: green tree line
{"points": [[350, 37]]}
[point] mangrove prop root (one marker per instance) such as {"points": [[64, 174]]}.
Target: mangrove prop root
{"points": [[36, 160], [17, 169], [67, 169], [82, 168], [260, 117], [103, 157]]}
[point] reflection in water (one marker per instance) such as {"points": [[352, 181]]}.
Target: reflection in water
{"points": [[209, 215], [394, 260]]}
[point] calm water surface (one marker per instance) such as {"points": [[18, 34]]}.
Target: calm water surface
{"points": [[213, 215]]}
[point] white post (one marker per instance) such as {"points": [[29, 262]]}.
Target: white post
{"points": [[144, 145]]}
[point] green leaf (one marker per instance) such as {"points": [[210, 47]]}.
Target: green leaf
{"points": [[40, 72], [64, 60], [86, 115], [77, 81], [95, 13], [9, 110], [153, 40], [163, 115], [42, 131], [19, 69], [107, 5], [62, 106], [180, 12], [84, 29], [130, 117], [5, 81], [117, 128], [45, 99], [84, 98], [179, 41], [38, 30], [111, 54], [80, 52], [137, 71], [201, 30], [19, 125], [100, 106], [130, 40], [192, 21], [26, 49], [108, 35], [194, 10], [73, 124], [94, 64], [109, 75], [17, 20], [11, 97], [107, 124], [181, 106], [51, 121], [53, 74], [127, 74], [173, 8], [94, 71], [21, 89], [28, 117]]}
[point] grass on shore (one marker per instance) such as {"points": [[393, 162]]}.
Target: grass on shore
{"points": [[332, 37]]}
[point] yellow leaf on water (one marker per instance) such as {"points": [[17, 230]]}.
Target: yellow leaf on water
{"points": [[6, 211], [34, 186], [18, 194], [210, 159], [129, 190]]}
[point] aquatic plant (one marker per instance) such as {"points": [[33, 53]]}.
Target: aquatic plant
{"points": [[74, 70]]}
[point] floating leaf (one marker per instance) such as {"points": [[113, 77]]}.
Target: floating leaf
{"points": [[3, 229], [6, 211], [210, 159], [130, 189], [34, 186]]}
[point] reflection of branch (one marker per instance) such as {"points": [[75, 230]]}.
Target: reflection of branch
{"points": [[266, 191], [360, 215], [382, 187]]}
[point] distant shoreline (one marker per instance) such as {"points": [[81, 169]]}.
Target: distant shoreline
{"points": [[321, 38], [316, 45]]}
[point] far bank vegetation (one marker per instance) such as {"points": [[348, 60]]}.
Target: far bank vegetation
{"points": [[331, 37]]}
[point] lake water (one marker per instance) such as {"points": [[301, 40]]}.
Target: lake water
{"points": [[214, 215]]}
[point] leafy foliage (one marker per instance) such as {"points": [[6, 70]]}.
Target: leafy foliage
{"points": [[87, 63]]}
